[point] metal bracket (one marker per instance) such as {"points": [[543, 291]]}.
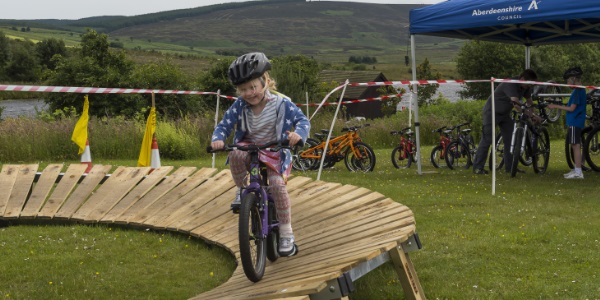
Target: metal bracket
{"points": [[336, 288], [412, 244]]}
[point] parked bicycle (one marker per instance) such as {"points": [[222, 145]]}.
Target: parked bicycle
{"points": [[404, 154], [530, 140], [438, 153], [591, 144], [258, 229], [357, 155], [551, 94], [462, 148]]}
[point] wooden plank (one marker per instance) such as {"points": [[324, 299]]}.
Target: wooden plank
{"points": [[8, 176], [121, 181], [193, 203], [83, 191], [408, 276], [210, 219], [20, 191], [62, 190], [41, 190], [137, 193], [159, 191], [181, 190]]}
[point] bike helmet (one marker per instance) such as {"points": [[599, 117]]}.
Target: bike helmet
{"points": [[247, 67], [573, 72]]}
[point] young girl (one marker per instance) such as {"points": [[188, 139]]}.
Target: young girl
{"points": [[261, 115], [575, 118]]}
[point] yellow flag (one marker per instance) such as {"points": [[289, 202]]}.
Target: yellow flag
{"points": [[146, 151], [80, 133]]}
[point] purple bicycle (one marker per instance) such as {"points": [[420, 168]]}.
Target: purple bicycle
{"points": [[258, 225]]}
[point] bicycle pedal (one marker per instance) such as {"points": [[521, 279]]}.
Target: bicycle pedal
{"points": [[235, 208]]}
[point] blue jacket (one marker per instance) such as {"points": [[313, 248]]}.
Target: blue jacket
{"points": [[289, 118]]}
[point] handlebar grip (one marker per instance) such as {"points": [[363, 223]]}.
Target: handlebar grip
{"points": [[209, 149]]}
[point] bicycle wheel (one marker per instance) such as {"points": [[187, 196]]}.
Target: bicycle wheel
{"points": [[458, 156], [361, 159], [569, 150], [516, 154], [304, 164], [273, 236], [554, 114], [499, 153], [591, 149], [541, 152], [252, 246], [437, 157], [398, 158]]}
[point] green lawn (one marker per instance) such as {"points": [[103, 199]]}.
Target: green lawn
{"points": [[537, 238]]}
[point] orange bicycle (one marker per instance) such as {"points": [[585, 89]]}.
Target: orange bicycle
{"points": [[357, 155]]}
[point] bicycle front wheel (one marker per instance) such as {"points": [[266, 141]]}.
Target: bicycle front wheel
{"points": [[516, 153], [361, 159], [499, 153], [541, 151], [400, 158], [301, 163], [437, 156], [253, 250], [458, 156], [591, 149]]}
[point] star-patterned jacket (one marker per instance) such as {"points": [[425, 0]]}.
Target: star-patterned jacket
{"points": [[289, 118]]}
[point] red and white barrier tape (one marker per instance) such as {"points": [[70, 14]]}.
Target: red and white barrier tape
{"points": [[93, 90], [410, 82]]}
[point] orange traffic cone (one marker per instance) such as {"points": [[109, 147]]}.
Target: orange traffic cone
{"points": [[155, 158], [86, 156]]}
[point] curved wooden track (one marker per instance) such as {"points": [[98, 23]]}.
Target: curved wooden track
{"points": [[343, 231]]}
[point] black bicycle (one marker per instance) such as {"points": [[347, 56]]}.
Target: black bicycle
{"points": [[591, 143], [461, 150], [530, 140]]}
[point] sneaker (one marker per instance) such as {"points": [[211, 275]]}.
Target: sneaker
{"points": [[569, 174], [480, 171], [287, 246], [237, 202], [574, 175]]}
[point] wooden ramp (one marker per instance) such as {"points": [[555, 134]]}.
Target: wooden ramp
{"points": [[342, 231]]}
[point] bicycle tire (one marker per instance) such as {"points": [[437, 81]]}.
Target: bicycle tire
{"points": [[541, 156], [398, 159], [526, 157], [458, 156], [437, 157], [273, 236], [366, 161], [591, 149], [499, 153], [555, 113], [304, 164], [569, 156], [516, 154], [253, 250]]}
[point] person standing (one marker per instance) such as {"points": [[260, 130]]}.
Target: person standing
{"points": [[504, 95], [575, 109]]}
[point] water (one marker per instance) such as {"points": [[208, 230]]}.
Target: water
{"points": [[25, 108]]}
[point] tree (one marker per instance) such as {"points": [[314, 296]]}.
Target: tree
{"points": [[4, 52], [551, 61], [483, 60], [23, 66], [426, 92], [216, 79], [94, 65], [47, 49], [295, 75]]}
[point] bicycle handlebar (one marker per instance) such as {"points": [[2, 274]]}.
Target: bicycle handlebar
{"points": [[355, 128], [283, 144]]}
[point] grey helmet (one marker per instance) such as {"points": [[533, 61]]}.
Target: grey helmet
{"points": [[247, 67]]}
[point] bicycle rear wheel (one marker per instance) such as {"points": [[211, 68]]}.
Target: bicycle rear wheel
{"points": [[304, 164], [253, 250], [516, 154], [458, 156], [541, 151], [361, 159], [273, 236], [591, 149], [398, 158], [554, 114]]}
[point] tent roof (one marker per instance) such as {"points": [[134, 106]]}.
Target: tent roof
{"points": [[529, 22]]}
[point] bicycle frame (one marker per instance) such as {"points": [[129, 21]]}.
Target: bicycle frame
{"points": [[336, 145], [258, 186]]}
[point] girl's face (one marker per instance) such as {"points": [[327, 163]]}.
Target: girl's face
{"points": [[252, 91]]}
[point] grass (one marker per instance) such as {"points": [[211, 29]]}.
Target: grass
{"points": [[536, 237]]}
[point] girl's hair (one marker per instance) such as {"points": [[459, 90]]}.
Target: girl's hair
{"points": [[265, 80]]}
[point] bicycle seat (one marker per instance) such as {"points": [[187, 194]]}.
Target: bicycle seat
{"points": [[320, 135], [466, 130]]}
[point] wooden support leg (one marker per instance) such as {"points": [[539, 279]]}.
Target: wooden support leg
{"points": [[406, 271]]}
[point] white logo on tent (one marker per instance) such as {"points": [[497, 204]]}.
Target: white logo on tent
{"points": [[533, 5]]}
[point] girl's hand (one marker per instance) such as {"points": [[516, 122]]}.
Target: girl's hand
{"points": [[217, 145], [293, 138]]}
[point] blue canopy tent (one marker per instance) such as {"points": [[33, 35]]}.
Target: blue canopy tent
{"points": [[527, 22]]}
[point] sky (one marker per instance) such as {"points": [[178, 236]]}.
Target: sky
{"points": [[77, 9]]}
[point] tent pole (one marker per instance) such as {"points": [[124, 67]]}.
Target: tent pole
{"points": [[415, 87], [527, 57]]}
